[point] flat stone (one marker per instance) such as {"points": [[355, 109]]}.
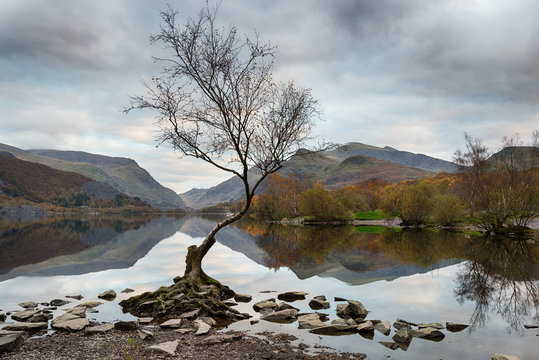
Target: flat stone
{"points": [[186, 330], [339, 299], [126, 325], [292, 296], [335, 330], [144, 334], [28, 305], [11, 342], [201, 327], [318, 304], [208, 320], [189, 315], [243, 298], [457, 327], [281, 315], [90, 304], [66, 317], [366, 326], [285, 306], [219, 339], [76, 297], [108, 295], [77, 311], [431, 325], [22, 326], [406, 322], [230, 303], [145, 320], [427, 333], [265, 305], [310, 321], [9, 332], [71, 325], [24, 315], [172, 324], [503, 357], [168, 347], [58, 302], [99, 329], [127, 290], [252, 322], [384, 327]]}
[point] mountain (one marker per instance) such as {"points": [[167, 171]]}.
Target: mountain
{"points": [[40, 183], [406, 158], [333, 168], [123, 174]]}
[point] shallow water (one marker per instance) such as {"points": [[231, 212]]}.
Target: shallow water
{"points": [[426, 276]]}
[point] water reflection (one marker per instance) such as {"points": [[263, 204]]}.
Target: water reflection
{"points": [[63, 246], [500, 276]]}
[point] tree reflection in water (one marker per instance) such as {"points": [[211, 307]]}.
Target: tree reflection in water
{"points": [[500, 276]]}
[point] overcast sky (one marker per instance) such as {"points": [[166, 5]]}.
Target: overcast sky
{"points": [[411, 74]]}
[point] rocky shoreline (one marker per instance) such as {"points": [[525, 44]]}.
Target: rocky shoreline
{"points": [[194, 334]]}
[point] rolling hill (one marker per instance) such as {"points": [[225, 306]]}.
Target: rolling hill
{"points": [[123, 174], [312, 167]]}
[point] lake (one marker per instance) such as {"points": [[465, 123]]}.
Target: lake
{"points": [[421, 276]]}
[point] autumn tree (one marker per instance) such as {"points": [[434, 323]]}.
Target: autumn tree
{"points": [[216, 100], [280, 198], [318, 203], [501, 189]]}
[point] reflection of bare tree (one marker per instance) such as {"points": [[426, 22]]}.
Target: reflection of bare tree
{"points": [[501, 277]]}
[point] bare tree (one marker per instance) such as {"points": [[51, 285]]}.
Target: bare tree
{"points": [[216, 100]]}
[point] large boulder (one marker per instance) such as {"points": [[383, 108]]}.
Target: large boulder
{"points": [[11, 342], [310, 321]]}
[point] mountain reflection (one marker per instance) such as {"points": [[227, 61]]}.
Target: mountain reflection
{"points": [[66, 246], [500, 276]]}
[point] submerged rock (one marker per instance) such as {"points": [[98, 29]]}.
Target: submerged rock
{"points": [[58, 302], [318, 304], [431, 325], [428, 333], [292, 296], [455, 327], [108, 295], [28, 305], [335, 330], [127, 290]]}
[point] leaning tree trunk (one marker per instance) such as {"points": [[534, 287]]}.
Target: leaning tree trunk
{"points": [[193, 261]]}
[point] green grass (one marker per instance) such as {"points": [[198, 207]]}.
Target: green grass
{"points": [[370, 215], [375, 229]]}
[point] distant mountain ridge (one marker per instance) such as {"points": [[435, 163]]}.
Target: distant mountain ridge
{"points": [[346, 165], [123, 174]]}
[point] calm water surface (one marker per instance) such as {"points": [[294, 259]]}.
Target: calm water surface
{"points": [[420, 276]]}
